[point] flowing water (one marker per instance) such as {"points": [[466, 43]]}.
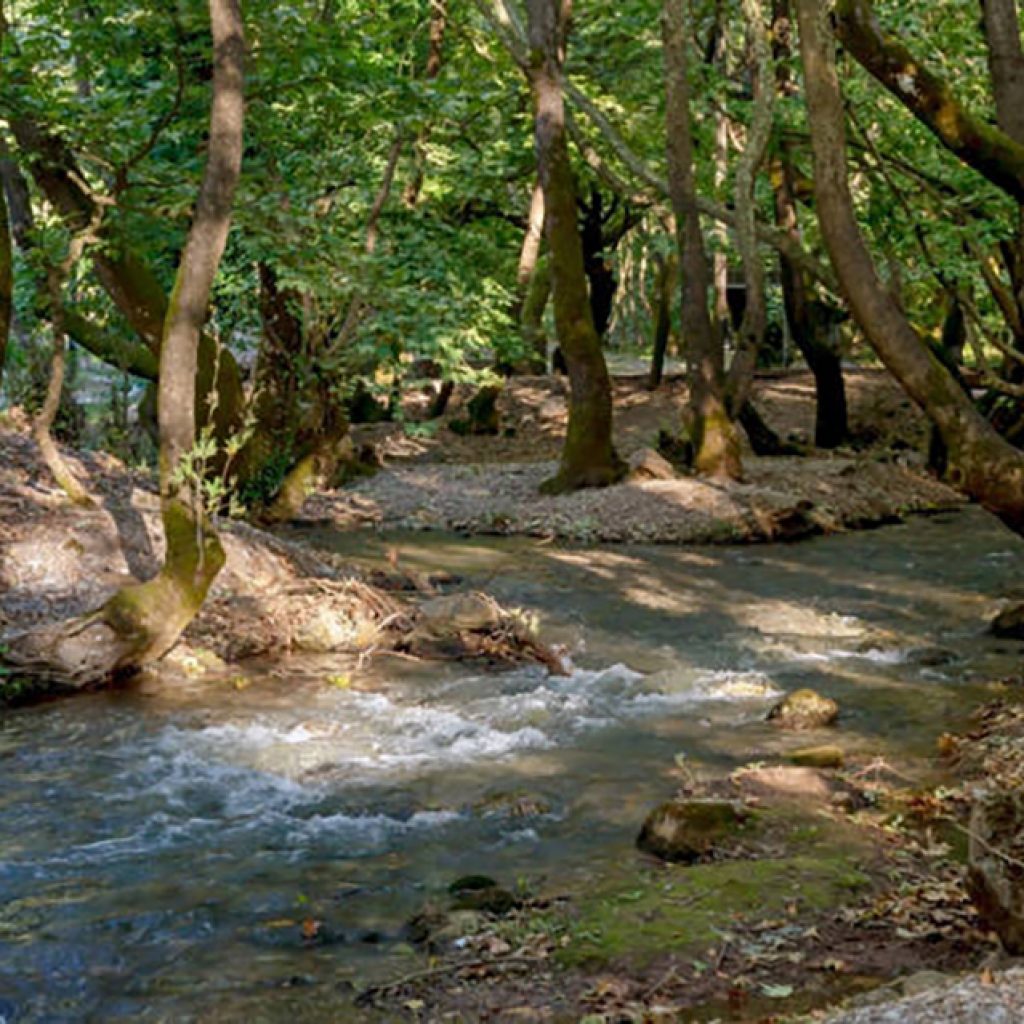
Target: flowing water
{"points": [[160, 849]]}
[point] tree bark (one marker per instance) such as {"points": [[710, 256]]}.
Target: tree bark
{"points": [[752, 327], [664, 286], [129, 282], [982, 463], [715, 441], [140, 623], [989, 150], [531, 321], [42, 422], [588, 456], [6, 281], [1006, 70], [814, 337], [1006, 64], [438, 25]]}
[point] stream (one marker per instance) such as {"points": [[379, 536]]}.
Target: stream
{"points": [[161, 849]]}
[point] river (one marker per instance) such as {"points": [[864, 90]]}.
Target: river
{"points": [[161, 849]]}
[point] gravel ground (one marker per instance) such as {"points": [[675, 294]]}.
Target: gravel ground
{"points": [[780, 499]]}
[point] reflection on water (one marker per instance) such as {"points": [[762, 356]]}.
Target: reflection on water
{"points": [[158, 856]]}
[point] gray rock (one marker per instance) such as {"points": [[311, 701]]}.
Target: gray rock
{"points": [[969, 1000], [647, 464], [453, 613]]}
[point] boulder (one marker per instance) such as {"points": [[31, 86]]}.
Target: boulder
{"points": [[995, 874], [687, 831], [647, 464], [1009, 623], [788, 782], [817, 757], [804, 709], [453, 613]]}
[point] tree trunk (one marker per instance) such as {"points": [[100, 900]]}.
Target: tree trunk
{"points": [[140, 623], [129, 282], [715, 441], [989, 150], [531, 322], [42, 422], [1006, 64], [1006, 69], [819, 348], [716, 55], [982, 463], [601, 281], [298, 423], [533, 286], [752, 326], [435, 53], [529, 253], [664, 286], [588, 457], [6, 281]]}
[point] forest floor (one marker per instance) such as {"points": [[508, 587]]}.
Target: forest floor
{"points": [[437, 479], [273, 597], [849, 890]]}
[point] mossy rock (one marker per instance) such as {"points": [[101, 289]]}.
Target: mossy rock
{"points": [[687, 831], [482, 894], [817, 757], [804, 709]]}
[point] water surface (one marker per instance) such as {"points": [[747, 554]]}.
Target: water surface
{"points": [[161, 851]]}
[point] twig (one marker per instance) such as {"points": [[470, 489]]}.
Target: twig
{"points": [[984, 842], [436, 972], [722, 953]]}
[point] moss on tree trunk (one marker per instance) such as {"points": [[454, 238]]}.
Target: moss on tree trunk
{"points": [[588, 456]]}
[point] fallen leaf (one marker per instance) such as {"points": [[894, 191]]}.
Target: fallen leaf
{"points": [[777, 991]]}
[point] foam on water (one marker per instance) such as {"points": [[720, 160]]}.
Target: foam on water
{"points": [[292, 782]]}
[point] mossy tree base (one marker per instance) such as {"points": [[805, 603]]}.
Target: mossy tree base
{"points": [[311, 471], [574, 479]]}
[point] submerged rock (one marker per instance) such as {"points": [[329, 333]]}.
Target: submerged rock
{"points": [[995, 875], [1009, 623], [686, 831], [804, 709], [513, 805]]}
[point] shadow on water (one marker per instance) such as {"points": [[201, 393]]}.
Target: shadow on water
{"points": [[162, 855]]}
